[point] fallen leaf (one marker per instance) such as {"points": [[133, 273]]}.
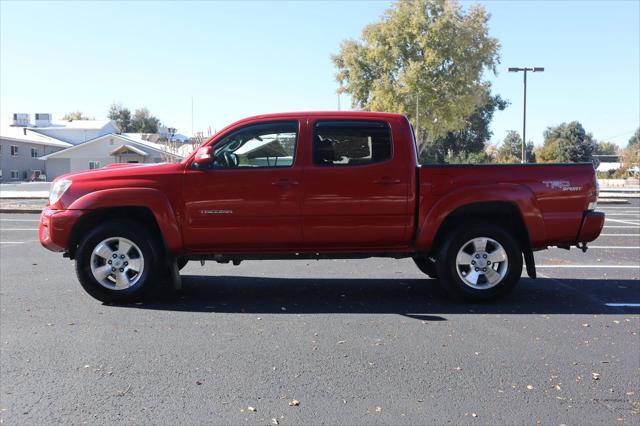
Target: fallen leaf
{"points": [[341, 342], [474, 415], [274, 421], [595, 376], [529, 387], [294, 403], [252, 409], [558, 387], [585, 325], [198, 382], [378, 409]]}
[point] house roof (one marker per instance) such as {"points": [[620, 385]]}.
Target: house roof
{"points": [[179, 149], [75, 124], [23, 134], [159, 148], [128, 148]]}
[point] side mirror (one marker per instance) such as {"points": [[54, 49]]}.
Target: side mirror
{"points": [[203, 156]]}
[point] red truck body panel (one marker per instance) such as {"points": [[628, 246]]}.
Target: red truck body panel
{"points": [[391, 206]]}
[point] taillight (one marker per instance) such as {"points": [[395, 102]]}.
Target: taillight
{"points": [[592, 197]]}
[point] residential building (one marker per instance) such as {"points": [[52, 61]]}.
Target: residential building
{"points": [[109, 149], [24, 142], [20, 152], [72, 131]]}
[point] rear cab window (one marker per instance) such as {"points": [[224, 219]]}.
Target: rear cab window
{"points": [[351, 142]]}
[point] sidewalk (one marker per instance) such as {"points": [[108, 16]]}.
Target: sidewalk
{"points": [[25, 190], [22, 205]]}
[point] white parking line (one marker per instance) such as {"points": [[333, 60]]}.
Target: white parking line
{"points": [[615, 247], [590, 266], [12, 242], [19, 220], [623, 214], [18, 229], [620, 226], [623, 221], [631, 305], [619, 235]]}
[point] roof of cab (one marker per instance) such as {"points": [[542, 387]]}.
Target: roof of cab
{"points": [[345, 114]]}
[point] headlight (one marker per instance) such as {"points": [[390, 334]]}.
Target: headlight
{"points": [[58, 189]]}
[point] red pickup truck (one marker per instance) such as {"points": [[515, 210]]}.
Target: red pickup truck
{"points": [[317, 185]]}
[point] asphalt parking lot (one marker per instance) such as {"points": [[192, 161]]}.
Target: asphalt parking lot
{"points": [[367, 341]]}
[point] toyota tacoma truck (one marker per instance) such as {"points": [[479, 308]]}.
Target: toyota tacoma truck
{"points": [[317, 185]]}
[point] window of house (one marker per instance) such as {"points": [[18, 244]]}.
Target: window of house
{"points": [[14, 174], [351, 142], [34, 152], [14, 150], [94, 165], [258, 145]]}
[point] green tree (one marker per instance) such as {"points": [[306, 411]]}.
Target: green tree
{"points": [[511, 149], [567, 143], [76, 115], [606, 148], [457, 146], [122, 117], [635, 139], [144, 122], [426, 53]]}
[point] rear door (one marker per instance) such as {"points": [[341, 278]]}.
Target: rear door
{"points": [[356, 188], [248, 198]]}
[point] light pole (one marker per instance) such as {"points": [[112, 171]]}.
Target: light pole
{"points": [[524, 110]]}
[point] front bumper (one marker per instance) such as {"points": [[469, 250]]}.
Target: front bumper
{"points": [[591, 227], [55, 227]]}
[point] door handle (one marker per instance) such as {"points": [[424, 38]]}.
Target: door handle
{"points": [[387, 181], [284, 183]]}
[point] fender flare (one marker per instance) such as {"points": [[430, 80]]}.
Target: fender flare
{"points": [[150, 198], [520, 196]]}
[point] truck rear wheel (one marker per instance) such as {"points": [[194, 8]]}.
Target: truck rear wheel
{"points": [[117, 262], [479, 262]]}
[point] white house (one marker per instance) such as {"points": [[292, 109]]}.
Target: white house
{"points": [[108, 149], [72, 131]]}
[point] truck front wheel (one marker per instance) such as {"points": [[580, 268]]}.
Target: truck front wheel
{"points": [[479, 262], [117, 262], [426, 265]]}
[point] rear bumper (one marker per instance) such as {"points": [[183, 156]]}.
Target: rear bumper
{"points": [[55, 227], [591, 227]]}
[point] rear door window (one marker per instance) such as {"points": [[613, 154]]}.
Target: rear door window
{"points": [[351, 142]]}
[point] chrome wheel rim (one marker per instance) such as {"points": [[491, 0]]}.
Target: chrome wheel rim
{"points": [[482, 263], [117, 263]]}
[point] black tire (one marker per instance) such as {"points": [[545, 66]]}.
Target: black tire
{"points": [[447, 266], [426, 266], [182, 262], [149, 251]]}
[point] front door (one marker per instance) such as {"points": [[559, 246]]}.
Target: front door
{"points": [[355, 191], [249, 196]]}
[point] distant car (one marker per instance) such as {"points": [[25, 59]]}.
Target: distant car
{"points": [[317, 185]]}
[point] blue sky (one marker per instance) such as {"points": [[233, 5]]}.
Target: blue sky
{"points": [[243, 58]]}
